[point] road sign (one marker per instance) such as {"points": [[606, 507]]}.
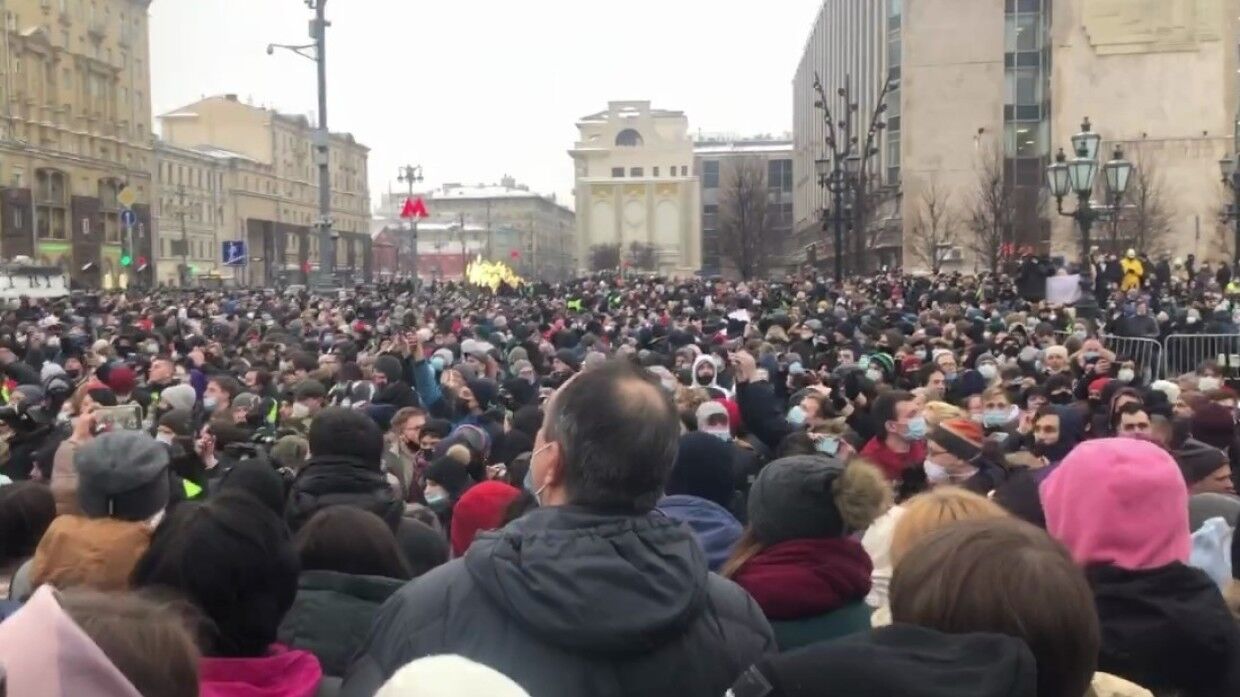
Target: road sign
{"points": [[129, 218], [127, 197], [234, 253], [414, 208]]}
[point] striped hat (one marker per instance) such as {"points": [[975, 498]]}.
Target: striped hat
{"points": [[960, 437]]}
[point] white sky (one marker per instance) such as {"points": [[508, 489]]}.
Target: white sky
{"points": [[475, 89]]}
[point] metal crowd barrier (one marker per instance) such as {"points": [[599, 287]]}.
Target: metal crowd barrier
{"points": [[1146, 354], [1182, 353]]}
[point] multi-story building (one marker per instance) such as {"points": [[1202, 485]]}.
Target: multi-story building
{"points": [[726, 165], [1012, 94], [275, 185], [75, 121], [532, 233], [634, 185], [192, 212]]}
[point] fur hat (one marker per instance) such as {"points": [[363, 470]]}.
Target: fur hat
{"points": [[448, 676], [808, 497]]}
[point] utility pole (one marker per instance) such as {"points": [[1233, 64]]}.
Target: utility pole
{"points": [[412, 174], [184, 236], [464, 251], [322, 136]]}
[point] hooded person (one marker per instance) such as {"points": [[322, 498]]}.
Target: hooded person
{"points": [[1120, 507], [344, 468], [1057, 430], [699, 491], [798, 557], [714, 418], [479, 509], [123, 490], [447, 480], [903, 660], [705, 374], [391, 389]]}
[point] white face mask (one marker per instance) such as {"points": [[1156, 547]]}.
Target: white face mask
{"points": [[300, 411], [1208, 384], [165, 438], [988, 370], [1126, 375], [874, 375], [935, 473]]}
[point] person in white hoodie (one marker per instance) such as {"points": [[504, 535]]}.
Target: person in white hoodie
{"points": [[449, 676], [706, 375]]}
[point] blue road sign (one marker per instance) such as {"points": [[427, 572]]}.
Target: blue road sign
{"points": [[234, 253], [129, 218]]}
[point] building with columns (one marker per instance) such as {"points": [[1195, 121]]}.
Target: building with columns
{"points": [[635, 185], [273, 181], [75, 130]]}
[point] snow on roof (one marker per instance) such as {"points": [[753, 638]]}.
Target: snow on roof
{"points": [[483, 192], [741, 147], [180, 115], [221, 153]]}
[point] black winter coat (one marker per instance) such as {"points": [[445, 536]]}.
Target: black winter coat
{"points": [[332, 480], [1168, 630], [571, 602], [332, 615]]}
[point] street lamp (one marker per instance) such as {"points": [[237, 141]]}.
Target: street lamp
{"points": [[1077, 176], [412, 174], [843, 168], [317, 52], [1230, 167]]}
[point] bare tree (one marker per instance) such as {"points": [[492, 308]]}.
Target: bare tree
{"points": [[744, 221], [933, 230], [643, 256], [605, 257], [990, 211], [1144, 222]]}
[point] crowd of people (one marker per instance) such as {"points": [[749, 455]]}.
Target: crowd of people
{"points": [[901, 485]]}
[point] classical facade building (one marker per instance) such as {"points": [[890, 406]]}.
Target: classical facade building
{"points": [[635, 185], [75, 131], [193, 208], [273, 180], [726, 165], [1010, 96]]}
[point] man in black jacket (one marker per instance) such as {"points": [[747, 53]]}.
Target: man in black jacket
{"points": [[592, 594]]}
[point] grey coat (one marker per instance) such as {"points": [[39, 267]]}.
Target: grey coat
{"points": [[570, 602]]}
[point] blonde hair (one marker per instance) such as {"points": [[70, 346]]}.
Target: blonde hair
{"points": [[936, 509], [996, 392], [938, 412]]}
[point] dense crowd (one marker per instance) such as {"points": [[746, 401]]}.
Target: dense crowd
{"points": [[914, 486]]}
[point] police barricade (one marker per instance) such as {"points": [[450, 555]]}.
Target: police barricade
{"points": [[1146, 354], [1183, 353]]}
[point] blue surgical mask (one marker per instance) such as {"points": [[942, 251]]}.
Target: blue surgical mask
{"points": [[796, 415], [1091, 355], [829, 446], [950, 377], [437, 363], [916, 429], [722, 434], [210, 403], [437, 502], [528, 483], [993, 418]]}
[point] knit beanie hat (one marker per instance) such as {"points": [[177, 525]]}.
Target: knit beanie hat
{"points": [[883, 362], [121, 379], [179, 397], [1198, 460], [102, 396], [339, 431], [449, 471], [389, 366], [291, 452], [960, 437], [1118, 501], [122, 475], [448, 676], [484, 391], [809, 497], [569, 358], [711, 408], [1213, 424], [703, 468], [481, 508], [258, 479], [179, 421]]}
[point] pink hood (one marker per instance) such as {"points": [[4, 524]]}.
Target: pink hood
{"points": [[47, 655], [282, 673]]}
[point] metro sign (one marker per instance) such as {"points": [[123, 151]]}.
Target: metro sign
{"points": [[414, 208]]}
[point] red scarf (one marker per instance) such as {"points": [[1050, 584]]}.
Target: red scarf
{"points": [[799, 579]]}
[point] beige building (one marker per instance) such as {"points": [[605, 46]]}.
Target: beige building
{"points": [[1157, 77], [274, 185], [634, 184], [532, 233], [75, 130], [192, 211]]}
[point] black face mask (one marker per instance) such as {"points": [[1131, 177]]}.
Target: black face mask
{"points": [[1053, 452], [1060, 398]]}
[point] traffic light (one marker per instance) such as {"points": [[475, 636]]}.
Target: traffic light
{"points": [[126, 260], [142, 263]]}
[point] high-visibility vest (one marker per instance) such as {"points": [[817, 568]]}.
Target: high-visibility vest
{"points": [[192, 490], [273, 414]]}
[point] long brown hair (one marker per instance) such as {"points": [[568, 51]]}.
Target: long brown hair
{"points": [[746, 548]]}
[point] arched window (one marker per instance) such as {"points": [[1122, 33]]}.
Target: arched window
{"points": [[629, 138]]}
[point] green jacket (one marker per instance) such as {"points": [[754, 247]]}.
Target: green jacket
{"points": [[850, 619], [332, 614]]}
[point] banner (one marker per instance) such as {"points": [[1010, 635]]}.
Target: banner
{"points": [[1063, 290]]}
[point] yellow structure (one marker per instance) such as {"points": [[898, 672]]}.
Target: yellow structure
{"points": [[272, 180], [75, 130]]}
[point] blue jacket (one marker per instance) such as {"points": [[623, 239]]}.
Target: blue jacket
{"points": [[712, 525]]}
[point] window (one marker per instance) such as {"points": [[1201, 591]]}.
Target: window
{"points": [[1023, 86], [684, 170], [710, 216], [636, 172], [51, 204], [710, 174], [617, 172], [629, 138], [110, 209], [1024, 32], [1025, 139], [779, 175]]}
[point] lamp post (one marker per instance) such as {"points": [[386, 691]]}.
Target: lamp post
{"points": [[1078, 176], [1231, 177], [317, 52], [412, 174], [843, 168]]}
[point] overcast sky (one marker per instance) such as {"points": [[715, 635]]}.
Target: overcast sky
{"points": [[475, 89]]}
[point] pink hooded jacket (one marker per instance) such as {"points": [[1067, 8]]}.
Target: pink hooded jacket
{"points": [[281, 673], [46, 654]]}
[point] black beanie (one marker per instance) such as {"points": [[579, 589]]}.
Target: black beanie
{"points": [[345, 432], [1198, 460], [258, 479], [389, 366], [450, 473], [703, 468]]}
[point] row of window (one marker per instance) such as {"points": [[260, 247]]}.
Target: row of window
{"points": [[779, 215], [778, 175], [618, 172]]}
